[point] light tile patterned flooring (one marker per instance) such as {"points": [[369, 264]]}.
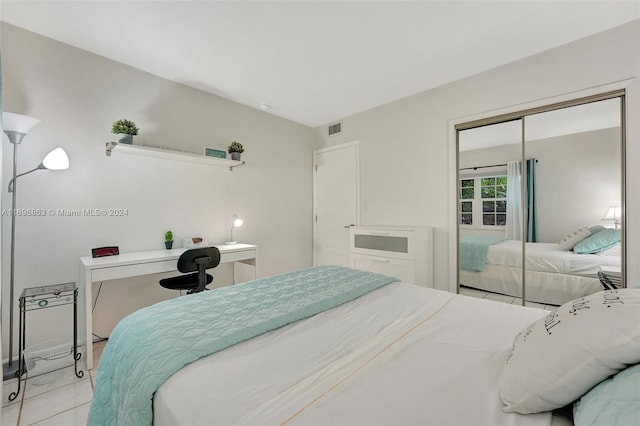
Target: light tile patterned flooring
{"points": [[66, 401]]}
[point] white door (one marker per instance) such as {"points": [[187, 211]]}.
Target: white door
{"points": [[336, 202]]}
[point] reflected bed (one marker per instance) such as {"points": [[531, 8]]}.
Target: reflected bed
{"points": [[553, 276]]}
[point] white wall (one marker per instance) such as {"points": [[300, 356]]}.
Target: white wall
{"points": [[78, 95], [404, 145]]}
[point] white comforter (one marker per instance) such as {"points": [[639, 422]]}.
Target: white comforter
{"points": [[401, 355], [547, 257]]}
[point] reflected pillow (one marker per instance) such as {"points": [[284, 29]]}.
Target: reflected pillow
{"points": [[616, 250], [568, 242], [615, 401], [560, 357], [596, 228], [596, 243]]}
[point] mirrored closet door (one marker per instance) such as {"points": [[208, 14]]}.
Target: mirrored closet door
{"points": [[574, 179], [489, 220], [546, 186]]}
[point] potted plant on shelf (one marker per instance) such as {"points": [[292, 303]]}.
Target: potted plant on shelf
{"points": [[168, 240], [125, 129], [235, 149]]}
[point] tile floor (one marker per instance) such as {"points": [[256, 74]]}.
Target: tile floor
{"points": [[66, 401]]}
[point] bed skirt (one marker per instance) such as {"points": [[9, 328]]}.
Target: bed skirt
{"points": [[542, 287]]}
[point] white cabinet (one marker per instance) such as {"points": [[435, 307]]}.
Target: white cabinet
{"points": [[405, 252]]}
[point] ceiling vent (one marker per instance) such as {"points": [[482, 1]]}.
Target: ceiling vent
{"points": [[336, 128]]}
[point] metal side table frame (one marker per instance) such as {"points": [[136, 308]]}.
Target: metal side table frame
{"points": [[49, 296]]}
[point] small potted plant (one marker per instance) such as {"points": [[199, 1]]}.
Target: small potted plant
{"points": [[235, 149], [168, 240], [125, 129]]}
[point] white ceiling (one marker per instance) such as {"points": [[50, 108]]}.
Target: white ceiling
{"points": [[315, 62]]}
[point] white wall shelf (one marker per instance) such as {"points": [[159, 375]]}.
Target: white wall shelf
{"points": [[149, 151]]}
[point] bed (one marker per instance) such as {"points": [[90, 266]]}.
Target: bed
{"points": [[406, 375], [553, 276], [387, 353]]}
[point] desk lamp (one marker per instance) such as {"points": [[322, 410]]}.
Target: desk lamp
{"points": [[16, 127], [237, 222]]}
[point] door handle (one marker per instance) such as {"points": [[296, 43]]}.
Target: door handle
{"points": [[349, 226]]}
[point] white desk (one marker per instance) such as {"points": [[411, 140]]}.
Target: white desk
{"points": [[139, 263]]}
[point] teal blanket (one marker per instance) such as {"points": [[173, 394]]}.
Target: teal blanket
{"points": [[473, 251], [148, 346]]}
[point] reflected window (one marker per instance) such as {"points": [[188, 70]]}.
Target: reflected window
{"points": [[483, 201], [467, 196]]}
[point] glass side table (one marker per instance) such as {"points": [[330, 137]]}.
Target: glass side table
{"points": [[48, 296]]}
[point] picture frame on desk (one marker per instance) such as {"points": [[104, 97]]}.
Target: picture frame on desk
{"points": [[195, 242], [213, 152]]}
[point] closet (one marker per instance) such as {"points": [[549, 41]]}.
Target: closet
{"points": [[534, 190]]}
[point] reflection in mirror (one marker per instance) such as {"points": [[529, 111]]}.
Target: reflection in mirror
{"points": [[489, 215], [576, 182], [555, 200]]}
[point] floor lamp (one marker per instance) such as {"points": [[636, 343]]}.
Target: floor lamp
{"points": [[16, 126]]}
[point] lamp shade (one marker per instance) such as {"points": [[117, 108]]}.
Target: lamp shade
{"points": [[56, 160], [12, 122], [613, 213]]}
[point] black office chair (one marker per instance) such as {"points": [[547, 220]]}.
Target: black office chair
{"points": [[199, 259]]}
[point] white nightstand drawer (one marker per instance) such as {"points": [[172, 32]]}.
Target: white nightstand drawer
{"points": [[401, 269]]}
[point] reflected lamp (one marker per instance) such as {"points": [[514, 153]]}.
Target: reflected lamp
{"points": [[614, 214]]}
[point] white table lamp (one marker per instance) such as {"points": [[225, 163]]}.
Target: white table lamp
{"points": [[237, 222]]}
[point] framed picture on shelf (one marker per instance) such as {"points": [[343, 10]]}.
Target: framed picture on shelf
{"points": [[212, 152]]}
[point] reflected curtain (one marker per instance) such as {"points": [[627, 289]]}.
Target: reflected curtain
{"points": [[531, 204], [514, 201]]}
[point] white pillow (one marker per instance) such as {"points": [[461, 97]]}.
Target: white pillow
{"points": [[560, 357], [568, 242]]}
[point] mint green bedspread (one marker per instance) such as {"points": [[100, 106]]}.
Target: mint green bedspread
{"points": [[473, 251], [148, 346]]}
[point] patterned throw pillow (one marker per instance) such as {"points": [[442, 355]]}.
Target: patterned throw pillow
{"points": [[560, 357], [568, 242]]}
